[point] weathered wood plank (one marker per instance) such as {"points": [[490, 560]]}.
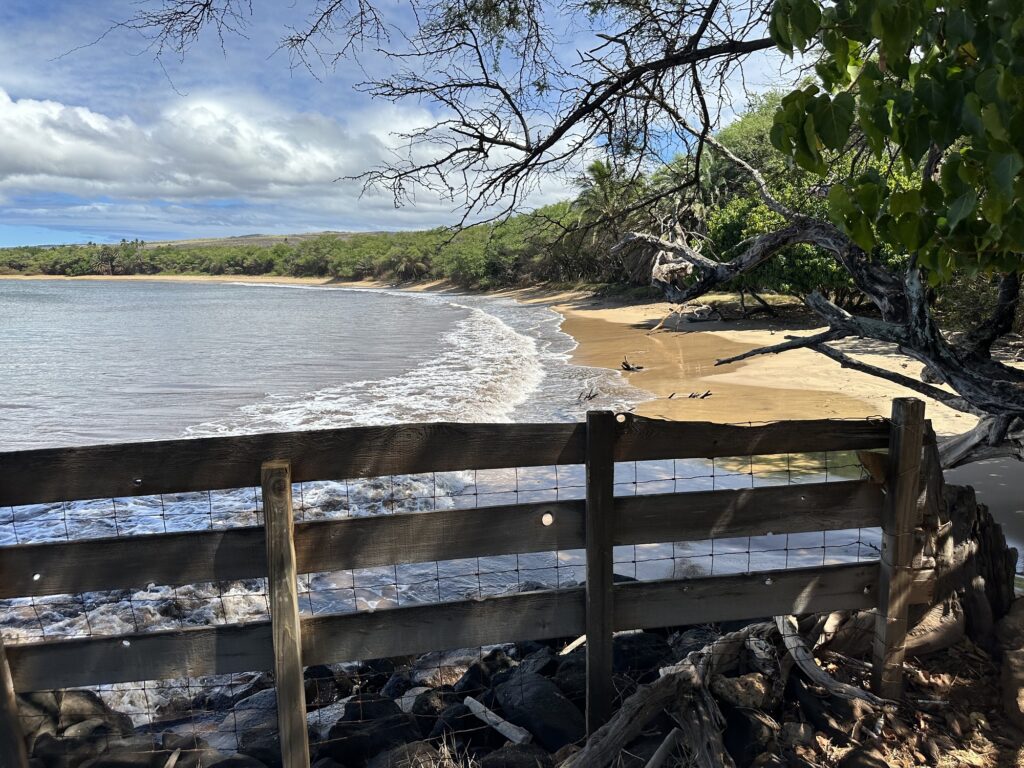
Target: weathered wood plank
{"points": [[899, 518], [179, 466], [192, 652], [322, 545], [643, 439], [416, 629], [600, 522], [464, 624], [417, 537], [12, 740], [282, 584], [366, 542], [677, 602], [747, 512], [131, 562]]}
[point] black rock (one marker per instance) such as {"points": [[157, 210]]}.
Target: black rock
{"points": [[236, 761], [474, 680], [536, 704], [543, 661], [571, 677], [374, 674], [224, 697], [353, 743], [518, 756], [429, 705], [458, 724], [419, 754], [397, 684], [366, 706], [321, 687], [693, 639], [639, 654]]}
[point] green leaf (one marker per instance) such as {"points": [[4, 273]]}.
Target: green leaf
{"points": [[833, 119], [961, 208], [905, 202], [993, 123]]}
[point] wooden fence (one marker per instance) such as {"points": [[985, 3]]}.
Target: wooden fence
{"points": [[280, 550]]}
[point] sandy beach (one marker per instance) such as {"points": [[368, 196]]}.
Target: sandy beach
{"points": [[679, 359], [799, 384]]}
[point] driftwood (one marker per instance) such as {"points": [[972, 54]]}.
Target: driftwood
{"points": [[804, 659], [668, 746], [513, 733], [681, 686]]}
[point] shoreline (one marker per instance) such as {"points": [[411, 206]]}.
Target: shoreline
{"points": [[679, 359]]}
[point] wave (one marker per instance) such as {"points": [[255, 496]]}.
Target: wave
{"points": [[484, 370]]}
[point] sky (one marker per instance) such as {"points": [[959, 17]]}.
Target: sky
{"points": [[103, 141]]}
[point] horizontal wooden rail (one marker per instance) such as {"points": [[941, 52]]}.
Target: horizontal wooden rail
{"points": [[747, 512], [181, 466], [213, 463], [171, 559], [417, 629], [643, 439]]}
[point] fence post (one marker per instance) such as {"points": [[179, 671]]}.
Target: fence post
{"points": [[899, 518], [600, 457], [12, 740], [284, 613]]}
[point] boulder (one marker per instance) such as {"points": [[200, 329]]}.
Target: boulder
{"points": [[543, 661], [419, 754], [457, 724], [397, 685], [78, 706], [639, 653], [64, 753], [429, 705], [536, 704], [366, 706], [236, 761], [571, 677], [518, 756], [352, 743], [320, 687], [222, 697], [1012, 684]]}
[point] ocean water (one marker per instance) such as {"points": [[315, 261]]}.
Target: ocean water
{"points": [[108, 361]]}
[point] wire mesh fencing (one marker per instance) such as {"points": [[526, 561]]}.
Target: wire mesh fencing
{"points": [[361, 707]]}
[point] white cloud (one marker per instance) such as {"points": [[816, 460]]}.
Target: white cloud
{"points": [[203, 166]]}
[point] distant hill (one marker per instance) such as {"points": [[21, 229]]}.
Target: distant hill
{"points": [[257, 240]]}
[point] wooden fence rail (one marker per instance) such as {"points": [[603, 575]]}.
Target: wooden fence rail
{"points": [[278, 550]]}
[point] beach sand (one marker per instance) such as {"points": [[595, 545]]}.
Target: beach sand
{"points": [[799, 384], [680, 359]]}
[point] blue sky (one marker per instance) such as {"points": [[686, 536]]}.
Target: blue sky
{"points": [[102, 142]]}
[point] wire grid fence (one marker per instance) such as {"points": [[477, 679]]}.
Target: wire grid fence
{"points": [[414, 698]]}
